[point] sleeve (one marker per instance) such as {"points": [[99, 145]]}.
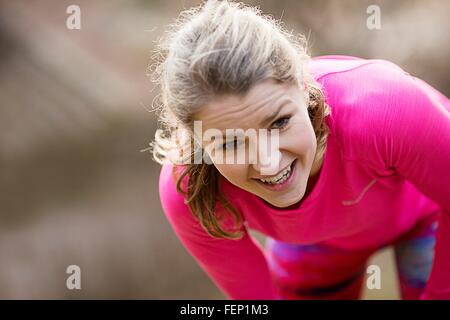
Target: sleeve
{"points": [[237, 267], [405, 126]]}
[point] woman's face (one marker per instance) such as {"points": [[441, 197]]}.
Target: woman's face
{"points": [[291, 159]]}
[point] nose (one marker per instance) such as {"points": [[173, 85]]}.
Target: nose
{"points": [[269, 158]]}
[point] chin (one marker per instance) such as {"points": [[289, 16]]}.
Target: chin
{"points": [[286, 203]]}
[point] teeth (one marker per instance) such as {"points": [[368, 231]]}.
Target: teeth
{"points": [[280, 178]]}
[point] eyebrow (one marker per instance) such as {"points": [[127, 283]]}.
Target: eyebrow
{"points": [[267, 119], [273, 115]]}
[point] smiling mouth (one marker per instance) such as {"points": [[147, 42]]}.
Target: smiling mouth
{"points": [[280, 177]]}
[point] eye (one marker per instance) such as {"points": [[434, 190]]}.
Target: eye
{"points": [[229, 145], [281, 122]]}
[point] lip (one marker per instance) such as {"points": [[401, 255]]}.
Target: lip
{"points": [[266, 177], [284, 185]]}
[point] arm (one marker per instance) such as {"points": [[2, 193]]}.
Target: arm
{"points": [[424, 159], [407, 129], [237, 267]]}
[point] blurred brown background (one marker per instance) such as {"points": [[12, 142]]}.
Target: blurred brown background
{"points": [[74, 186]]}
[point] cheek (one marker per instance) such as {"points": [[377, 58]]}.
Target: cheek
{"points": [[236, 174], [300, 139]]}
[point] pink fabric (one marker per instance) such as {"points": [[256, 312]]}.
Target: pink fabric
{"points": [[321, 271], [386, 167]]}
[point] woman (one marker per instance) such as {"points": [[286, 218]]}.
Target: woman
{"points": [[360, 161]]}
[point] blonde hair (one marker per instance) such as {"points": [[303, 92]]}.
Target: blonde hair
{"points": [[216, 48]]}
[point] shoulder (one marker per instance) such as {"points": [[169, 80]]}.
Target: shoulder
{"points": [[355, 86], [373, 101], [358, 90], [167, 180], [175, 207], [172, 201]]}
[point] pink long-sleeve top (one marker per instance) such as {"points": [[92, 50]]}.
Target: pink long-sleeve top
{"points": [[386, 167]]}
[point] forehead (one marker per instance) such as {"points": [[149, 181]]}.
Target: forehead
{"points": [[246, 111]]}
